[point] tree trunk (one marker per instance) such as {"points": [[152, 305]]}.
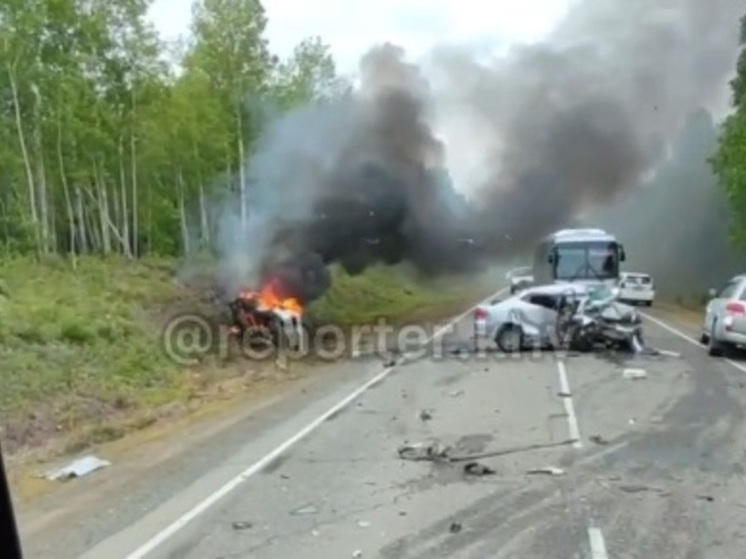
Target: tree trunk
{"points": [[182, 215], [66, 191], [25, 154]]}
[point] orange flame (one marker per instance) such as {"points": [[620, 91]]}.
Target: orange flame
{"points": [[270, 297]]}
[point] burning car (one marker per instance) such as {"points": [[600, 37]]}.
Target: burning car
{"points": [[268, 316]]}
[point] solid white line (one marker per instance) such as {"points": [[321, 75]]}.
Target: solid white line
{"points": [[598, 545], [688, 338], [572, 418], [170, 530]]}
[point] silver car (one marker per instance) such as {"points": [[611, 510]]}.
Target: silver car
{"points": [[724, 326]]}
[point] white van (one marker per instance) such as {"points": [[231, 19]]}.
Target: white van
{"points": [[636, 288]]}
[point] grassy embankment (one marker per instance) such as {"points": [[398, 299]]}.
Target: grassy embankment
{"points": [[81, 359]]}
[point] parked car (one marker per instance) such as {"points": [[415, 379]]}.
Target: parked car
{"points": [[529, 318], [636, 288], [520, 279], [724, 325]]}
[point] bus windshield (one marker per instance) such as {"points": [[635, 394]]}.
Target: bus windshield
{"points": [[587, 260]]}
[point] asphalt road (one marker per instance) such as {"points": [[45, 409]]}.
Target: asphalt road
{"points": [[647, 468]]}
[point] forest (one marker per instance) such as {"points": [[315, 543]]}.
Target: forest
{"points": [[108, 136]]}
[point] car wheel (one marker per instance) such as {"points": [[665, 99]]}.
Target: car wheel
{"points": [[509, 338], [714, 348]]}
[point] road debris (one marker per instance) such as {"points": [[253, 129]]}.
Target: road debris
{"points": [[598, 439], [456, 393], [638, 488], [708, 498], [363, 523], [549, 470], [455, 527], [357, 554], [78, 468], [668, 353], [426, 415], [634, 374], [564, 394], [433, 451], [241, 525], [305, 510], [477, 469]]}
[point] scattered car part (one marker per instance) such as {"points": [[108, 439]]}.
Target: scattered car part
{"points": [[477, 469]]}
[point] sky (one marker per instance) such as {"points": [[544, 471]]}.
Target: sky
{"points": [[351, 27]]}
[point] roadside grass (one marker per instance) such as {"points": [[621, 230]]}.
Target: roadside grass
{"points": [[394, 294], [81, 358]]}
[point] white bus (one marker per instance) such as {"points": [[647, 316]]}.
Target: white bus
{"points": [[587, 255]]}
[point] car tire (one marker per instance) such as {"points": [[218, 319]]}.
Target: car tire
{"points": [[509, 338], [714, 348], [704, 339]]}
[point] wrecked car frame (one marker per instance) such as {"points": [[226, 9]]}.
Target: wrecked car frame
{"points": [[573, 316]]}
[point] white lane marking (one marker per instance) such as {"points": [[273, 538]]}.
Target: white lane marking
{"points": [[598, 544], [688, 338], [572, 418], [159, 538]]}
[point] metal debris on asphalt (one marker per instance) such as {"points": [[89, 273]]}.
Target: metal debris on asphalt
{"points": [[434, 451], [634, 374], [455, 527], [598, 439], [564, 394], [549, 470], [708, 498], [425, 415], [241, 525], [637, 488], [305, 510], [78, 468], [477, 469]]}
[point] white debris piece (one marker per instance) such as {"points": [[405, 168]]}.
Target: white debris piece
{"points": [[634, 374], [78, 468], [549, 470]]}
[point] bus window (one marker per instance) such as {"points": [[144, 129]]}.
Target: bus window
{"points": [[570, 262], [586, 261], [603, 260]]}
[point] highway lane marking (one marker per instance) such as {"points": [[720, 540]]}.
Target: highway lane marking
{"points": [[200, 508], [572, 418], [688, 338], [598, 544]]}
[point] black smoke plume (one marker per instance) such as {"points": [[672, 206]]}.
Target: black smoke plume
{"points": [[525, 142]]}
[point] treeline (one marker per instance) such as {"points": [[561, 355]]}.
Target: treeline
{"points": [[108, 135], [729, 160]]}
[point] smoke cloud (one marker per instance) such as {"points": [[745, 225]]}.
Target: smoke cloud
{"points": [[524, 143]]}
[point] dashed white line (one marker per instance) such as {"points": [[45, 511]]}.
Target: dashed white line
{"points": [[598, 544], [686, 337], [172, 529], [572, 418]]}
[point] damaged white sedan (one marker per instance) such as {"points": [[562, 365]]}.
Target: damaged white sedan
{"points": [[562, 315]]}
